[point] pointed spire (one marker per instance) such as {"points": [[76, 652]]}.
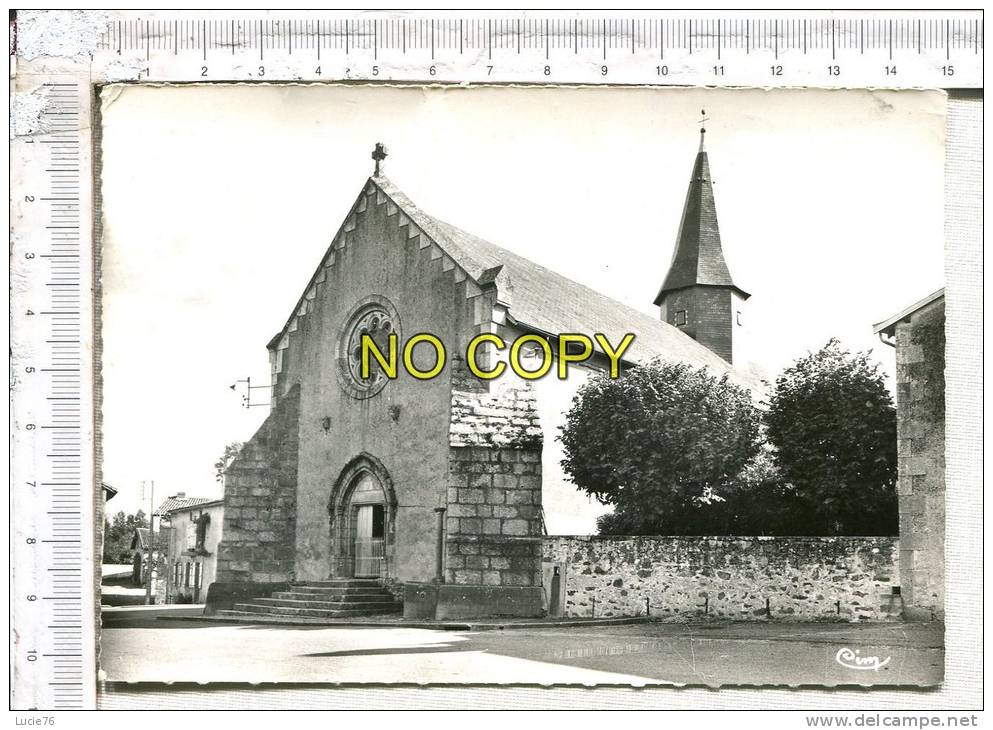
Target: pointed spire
{"points": [[698, 258]]}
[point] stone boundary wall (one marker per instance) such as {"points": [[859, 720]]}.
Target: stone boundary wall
{"points": [[730, 578]]}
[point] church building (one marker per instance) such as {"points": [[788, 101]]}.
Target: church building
{"points": [[436, 493]]}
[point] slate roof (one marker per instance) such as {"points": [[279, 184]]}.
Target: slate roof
{"points": [[547, 302], [698, 258], [172, 504]]}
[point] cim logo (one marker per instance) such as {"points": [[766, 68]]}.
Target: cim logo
{"points": [[854, 660]]}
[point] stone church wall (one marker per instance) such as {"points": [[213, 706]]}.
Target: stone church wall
{"points": [[378, 253], [494, 518], [920, 398], [731, 578], [260, 502]]}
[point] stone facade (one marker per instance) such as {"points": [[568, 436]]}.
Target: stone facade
{"points": [[731, 578], [493, 520], [260, 502], [383, 254], [920, 400]]}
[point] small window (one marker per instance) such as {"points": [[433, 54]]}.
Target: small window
{"points": [[680, 318]]}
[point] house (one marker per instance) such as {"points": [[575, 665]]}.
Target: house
{"points": [[146, 544], [439, 487], [195, 531], [918, 335]]}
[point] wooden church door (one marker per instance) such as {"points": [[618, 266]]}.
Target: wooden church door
{"points": [[370, 524]]}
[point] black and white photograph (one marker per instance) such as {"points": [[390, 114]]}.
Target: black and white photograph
{"points": [[650, 363], [572, 375]]}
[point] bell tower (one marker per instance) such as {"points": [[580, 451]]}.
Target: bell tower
{"points": [[698, 295]]}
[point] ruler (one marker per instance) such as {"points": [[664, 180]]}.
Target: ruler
{"points": [[52, 605], [55, 497], [871, 49]]}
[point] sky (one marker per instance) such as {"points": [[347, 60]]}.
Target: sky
{"points": [[219, 202]]}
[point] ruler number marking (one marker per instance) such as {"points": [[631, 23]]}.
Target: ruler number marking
{"points": [[50, 437], [706, 41]]}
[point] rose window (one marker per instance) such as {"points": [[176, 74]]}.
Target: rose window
{"points": [[378, 320], [375, 323]]}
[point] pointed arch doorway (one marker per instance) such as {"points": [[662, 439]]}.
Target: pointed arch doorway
{"points": [[368, 505], [362, 509]]}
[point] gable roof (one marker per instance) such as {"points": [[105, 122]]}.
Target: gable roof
{"points": [[544, 301], [140, 538], [698, 259], [888, 326], [174, 504]]}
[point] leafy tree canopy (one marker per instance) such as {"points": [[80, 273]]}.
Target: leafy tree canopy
{"points": [[833, 426], [658, 442], [117, 536]]}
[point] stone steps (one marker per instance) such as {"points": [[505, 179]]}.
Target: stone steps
{"points": [[342, 583], [313, 602], [339, 610], [259, 618], [340, 598], [330, 595], [329, 591]]}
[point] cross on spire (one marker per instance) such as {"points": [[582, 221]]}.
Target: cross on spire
{"points": [[703, 118], [379, 154]]}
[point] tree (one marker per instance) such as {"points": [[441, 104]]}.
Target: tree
{"points": [[230, 452], [657, 443], [833, 425], [117, 536]]}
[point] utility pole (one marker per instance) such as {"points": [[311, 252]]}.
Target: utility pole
{"points": [[151, 542]]}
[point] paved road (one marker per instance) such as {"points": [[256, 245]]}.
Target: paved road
{"points": [[138, 647]]}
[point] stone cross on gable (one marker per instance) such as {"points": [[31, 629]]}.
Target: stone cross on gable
{"points": [[379, 154]]}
